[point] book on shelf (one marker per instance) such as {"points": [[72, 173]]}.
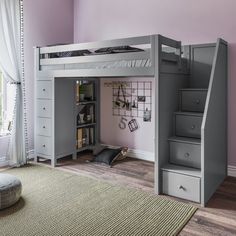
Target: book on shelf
{"points": [[91, 134], [77, 90], [79, 138], [85, 137]]}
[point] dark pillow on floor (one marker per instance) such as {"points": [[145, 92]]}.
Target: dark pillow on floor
{"points": [[108, 155]]}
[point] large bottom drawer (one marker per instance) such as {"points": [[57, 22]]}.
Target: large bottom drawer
{"points": [[44, 145], [182, 186]]}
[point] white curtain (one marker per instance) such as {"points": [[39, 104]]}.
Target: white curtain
{"points": [[11, 65]]}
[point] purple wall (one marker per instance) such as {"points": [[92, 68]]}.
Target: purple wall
{"points": [[141, 139], [186, 20], [46, 22]]}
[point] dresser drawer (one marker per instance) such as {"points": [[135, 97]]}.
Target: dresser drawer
{"points": [[188, 125], [182, 186], [44, 126], [186, 154], [44, 108], [44, 89], [44, 145], [193, 100]]}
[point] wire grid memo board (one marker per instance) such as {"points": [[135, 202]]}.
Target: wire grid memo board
{"points": [[131, 99]]}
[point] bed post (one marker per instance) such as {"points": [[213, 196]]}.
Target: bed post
{"points": [[155, 45], [36, 70]]}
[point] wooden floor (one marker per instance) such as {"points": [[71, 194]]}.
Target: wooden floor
{"points": [[218, 218]]}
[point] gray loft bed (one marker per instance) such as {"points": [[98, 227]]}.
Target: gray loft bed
{"points": [[181, 73]]}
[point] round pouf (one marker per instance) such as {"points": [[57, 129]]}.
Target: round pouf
{"points": [[10, 190]]}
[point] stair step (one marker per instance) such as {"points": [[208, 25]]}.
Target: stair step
{"points": [[179, 139], [186, 113], [188, 124], [182, 170], [192, 100], [194, 89]]}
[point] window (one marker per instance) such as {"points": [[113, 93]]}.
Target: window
{"points": [[7, 92]]}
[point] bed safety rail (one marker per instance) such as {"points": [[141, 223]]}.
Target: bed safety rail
{"points": [[120, 57]]}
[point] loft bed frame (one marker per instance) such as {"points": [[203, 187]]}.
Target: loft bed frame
{"points": [[173, 68], [158, 51]]}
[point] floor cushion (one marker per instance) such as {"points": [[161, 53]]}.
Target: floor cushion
{"points": [[10, 190]]}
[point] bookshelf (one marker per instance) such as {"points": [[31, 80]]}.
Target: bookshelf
{"points": [[86, 107]]}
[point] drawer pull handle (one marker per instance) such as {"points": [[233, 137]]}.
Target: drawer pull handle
{"points": [[181, 187], [44, 108], [44, 145], [197, 101], [187, 155], [193, 127], [44, 90], [44, 127]]}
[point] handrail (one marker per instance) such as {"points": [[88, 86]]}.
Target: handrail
{"points": [[214, 125]]}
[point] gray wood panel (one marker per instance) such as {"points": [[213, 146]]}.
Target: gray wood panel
{"points": [[169, 85], [202, 59], [65, 140], [214, 126]]}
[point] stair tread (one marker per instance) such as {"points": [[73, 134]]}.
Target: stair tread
{"points": [[193, 89], [190, 113], [182, 170], [185, 140]]}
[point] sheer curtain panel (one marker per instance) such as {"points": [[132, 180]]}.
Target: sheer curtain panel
{"points": [[12, 67]]}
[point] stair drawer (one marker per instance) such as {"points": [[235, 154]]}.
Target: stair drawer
{"points": [[44, 126], [186, 154], [44, 89], [193, 100], [188, 125], [44, 108], [182, 186], [44, 145]]}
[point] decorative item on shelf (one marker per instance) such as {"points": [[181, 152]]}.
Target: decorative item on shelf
{"points": [[147, 115], [81, 118], [81, 97], [88, 119]]}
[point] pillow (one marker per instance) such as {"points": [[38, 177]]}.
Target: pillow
{"points": [[109, 155], [118, 49], [98, 148]]}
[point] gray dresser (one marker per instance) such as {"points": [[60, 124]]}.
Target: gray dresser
{"points": [[56, 124]]}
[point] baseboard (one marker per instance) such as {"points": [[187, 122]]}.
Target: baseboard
{"points": [[4, 162], [138, 154], [232, 171], [142, 155], [30, 154]]}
